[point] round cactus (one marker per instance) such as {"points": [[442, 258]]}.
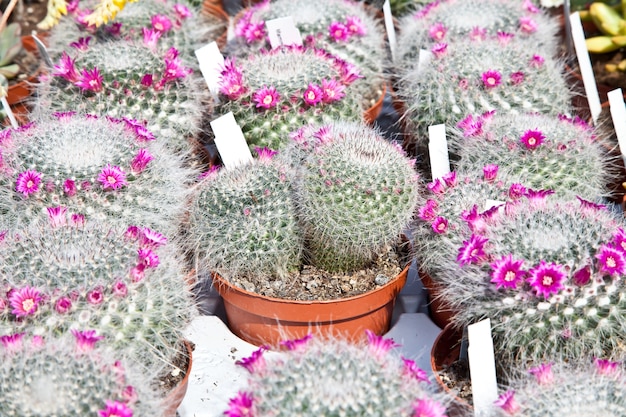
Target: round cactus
{"points": [[356, 194], [63, 377], [101, 168], [542, 152], [242, 221], [453, 20], [344, 28], [128, 79], [127, 286], [277, 92], [336, 378]]}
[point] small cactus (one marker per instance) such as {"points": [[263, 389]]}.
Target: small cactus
{"points": [[10, 48], [47, 376], [101, 168], [336, 378]]}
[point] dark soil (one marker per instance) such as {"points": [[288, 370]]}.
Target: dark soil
{"points": [[175, 372], [28, 13], [456, 377], [615, 79]]}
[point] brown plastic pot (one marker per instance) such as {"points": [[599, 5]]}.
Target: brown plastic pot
{"points": [[370, 115], [440, 313], [175, 397], [22, 90], [260, 320]]}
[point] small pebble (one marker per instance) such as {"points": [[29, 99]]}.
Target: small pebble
{"points": [[381, 280]]}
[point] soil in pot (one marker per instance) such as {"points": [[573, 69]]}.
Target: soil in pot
{"points": [[173, 382]]}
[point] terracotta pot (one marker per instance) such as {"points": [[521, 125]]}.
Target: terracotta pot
{"points": [[440, 313], [258, 319], [370, 115], [175, 397], [445, 351], [22, 90], [216, 9]]}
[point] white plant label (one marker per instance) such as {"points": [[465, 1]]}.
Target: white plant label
{"points": [[391, 31], [9, 112], [423, 59], [489, 204], [230, 141], [438, 151], [230, 32], [283, 31], [618, 114], [211, 62], [584, 63], [482, 367]]}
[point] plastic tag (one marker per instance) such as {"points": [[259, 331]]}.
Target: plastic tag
{"points": [[438, 151], [423, 60], [43, 51], [482, 367], [618, 114], [391, 31], [283, 31], [9, 113], [230, 141], [211, 61], [584, 63]]}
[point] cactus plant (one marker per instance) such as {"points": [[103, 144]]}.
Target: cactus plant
{"points": [[126, 285], [45, 376], [344, 28], [128, 79], [356, 194], [102, 168], [336, 378], [452, 20], [542, 152], [279, 91]]}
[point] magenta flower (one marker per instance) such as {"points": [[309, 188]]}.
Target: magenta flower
{"points": [[414, 371], [28, 182], [95, 296], [530, 6], [313, 94], [355, 26], [150, 238], [65, 68], [141, 160], [472, 250], [148, 258], [255, 32], [25, 301], [332, 91], [78, 219], [532, 139], [507, 272], [505, 37], [86, 340], [586, 204], [378, 345], [471, 126], [619, 239], [437, 186], [241, 406], [582, 276], [69, 187], [132, 233], [517, 191], [143, 134], [439, 49], [338, 31], [543, 373], [112, 177], [63, 305], [174, 70], [265, 154], [151, 38], [517, 78], [537, 61], [147, 80], [297, 344], [478, 34], [138, 273], [440, 225], [491, 78], [255, 362], [231, 85], [490, 172], [527, 25], [12, 343], [611, 260], [161, 23], [428, 408], [450, 179], [90, 80], [119, 289], [537, 196], [182, 11], [546, 279], [507, 402], [266, 97], [116, 409], [349, 73], [437, 32], [429, 210], [607, 367], [56, 216], [114, 29], [82, 44]]}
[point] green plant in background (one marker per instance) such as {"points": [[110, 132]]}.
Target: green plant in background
{"points": [[336, 378], [126, 285], [611, 22], [102, 168], [47, 376], [542, 152], [344, 28], [10, 48], [277, 92]]}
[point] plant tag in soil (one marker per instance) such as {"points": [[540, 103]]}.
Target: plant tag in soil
{"points": [[482, 367], [391, 31], [618, 114], [438, 151], [230, 141], [283, 31], [211, 62], [423, 60], [489, 204], [584, 63]]}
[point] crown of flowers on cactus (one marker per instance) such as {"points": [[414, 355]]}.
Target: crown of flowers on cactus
{"points": [[243, 221], [128, 79], [126, 286], [540, 151], [481, 75], [336, 377], [101, 168], [356, 193], [344, 28], [540, 270], [574, 389], [451, 20], [277, 92], [59, 376]]}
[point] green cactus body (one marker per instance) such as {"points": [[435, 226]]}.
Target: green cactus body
{"points": [[357, 193], [477, 76], [277, 92], [454, 20], [45, 377], [336, 378], [126, 79], [126, 285], [242, 221], [359, 41], [542, 152], [104, 169]]}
